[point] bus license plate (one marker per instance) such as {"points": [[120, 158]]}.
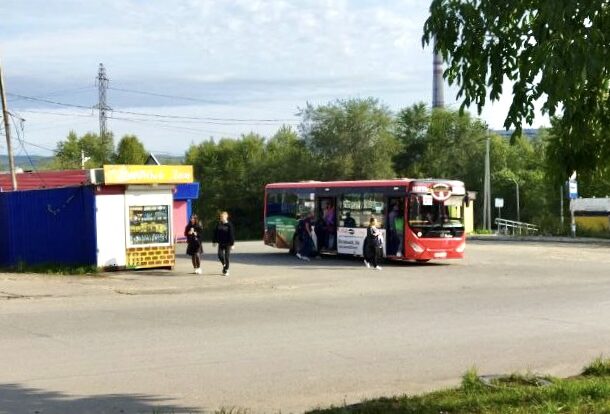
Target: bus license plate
{"points": [[440, 255]]}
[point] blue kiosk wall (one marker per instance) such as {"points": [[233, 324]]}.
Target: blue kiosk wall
{"points": [[48, 226]]}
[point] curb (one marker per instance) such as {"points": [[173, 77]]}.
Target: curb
{"points": [[540, 239]]}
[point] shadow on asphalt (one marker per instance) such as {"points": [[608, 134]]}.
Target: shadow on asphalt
{"points": [[282, 258], [15, 398]]}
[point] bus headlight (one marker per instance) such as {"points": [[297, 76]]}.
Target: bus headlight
{"points": [[460, 248], [416, 247]]}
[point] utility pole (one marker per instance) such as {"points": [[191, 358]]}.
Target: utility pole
{"points": [[487, 190], [561, 205], [7, 131], [83, 159], [103, 108], [518, 209]]}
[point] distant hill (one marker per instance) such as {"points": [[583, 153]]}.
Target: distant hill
{"points": [[527, 132], [23, 162], [41, 162]]}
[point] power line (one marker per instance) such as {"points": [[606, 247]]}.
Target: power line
{"points": [[56, 113], [187, 98], [169, 126], [21, 141], [161, 95], [31, 98], [61, 92], [208, 120]]}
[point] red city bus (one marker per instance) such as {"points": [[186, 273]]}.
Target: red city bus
{"points": [[420, 219]]}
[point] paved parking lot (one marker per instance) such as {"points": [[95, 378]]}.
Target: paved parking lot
{"points": [[284, 334]]}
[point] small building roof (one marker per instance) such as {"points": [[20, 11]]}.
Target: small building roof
{"points": [[34, 180]]}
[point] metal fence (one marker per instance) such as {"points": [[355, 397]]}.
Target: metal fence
{"points": [[515, 228]]}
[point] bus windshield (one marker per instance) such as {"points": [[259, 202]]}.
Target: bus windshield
{"points": [[429, 217]]}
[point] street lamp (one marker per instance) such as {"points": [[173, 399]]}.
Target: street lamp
{"points": [[517, 187]]}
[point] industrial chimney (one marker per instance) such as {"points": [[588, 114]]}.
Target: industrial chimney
{"points": [[438, 100]]}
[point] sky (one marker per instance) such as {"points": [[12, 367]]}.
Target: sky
{"points": [[182, 71]]}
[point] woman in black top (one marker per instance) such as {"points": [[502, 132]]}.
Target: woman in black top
{"points": [[224, 235], [194, 235], [373, 245]]}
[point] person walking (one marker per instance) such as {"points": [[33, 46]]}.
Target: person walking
{"points": [[373, 245], [224, 236], [194, 236]]}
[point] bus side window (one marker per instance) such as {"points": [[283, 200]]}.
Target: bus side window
{"points": [[351, 210], [305, 205], [373, 206]]}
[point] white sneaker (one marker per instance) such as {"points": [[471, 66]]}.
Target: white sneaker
{"points": [[378, 268], [367, 264], [307, 259], [299, 256], [198, 271], [227, 273]]}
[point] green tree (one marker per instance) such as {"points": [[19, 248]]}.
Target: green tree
{"points": [[349, 139], [591, 161], [439, 143], [68, 154], [130, 150], [231, 173], [287, 158], [553, 50], [446, 144]]}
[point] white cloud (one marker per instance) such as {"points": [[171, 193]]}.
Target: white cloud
{"points": [[261, 58]]}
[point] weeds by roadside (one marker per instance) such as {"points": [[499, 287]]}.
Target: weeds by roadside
{"points": [[51, 269], [513, 394]]}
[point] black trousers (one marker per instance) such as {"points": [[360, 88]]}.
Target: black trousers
{"points": [[224, 253], [196, 261]]}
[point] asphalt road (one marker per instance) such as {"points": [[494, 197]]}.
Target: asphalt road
{"points": [[280, 334]]}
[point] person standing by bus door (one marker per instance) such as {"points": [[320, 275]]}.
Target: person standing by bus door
{"points": [[224, 236], [194, 235], [373, 245], [305, 231]]}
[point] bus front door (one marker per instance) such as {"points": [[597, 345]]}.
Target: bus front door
{"points": [[326, 224], [395, 226]]}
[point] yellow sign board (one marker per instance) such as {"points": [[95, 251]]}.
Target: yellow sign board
{"points": [[148, 174]]}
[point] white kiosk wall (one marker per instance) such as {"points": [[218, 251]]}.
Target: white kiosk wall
{"points": [[110, 228]]}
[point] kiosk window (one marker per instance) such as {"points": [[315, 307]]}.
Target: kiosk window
{"points": [[148, 224]]}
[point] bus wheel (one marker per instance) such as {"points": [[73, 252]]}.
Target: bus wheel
{"points": [[422, 260]]}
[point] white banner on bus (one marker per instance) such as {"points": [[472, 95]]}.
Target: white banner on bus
{"points": [[351, 240]]}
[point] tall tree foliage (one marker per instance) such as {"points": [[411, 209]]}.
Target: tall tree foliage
{"points": [[130, 150], [553, 50], [230, 173], [69, 152], [350, 139], [446, 143]]}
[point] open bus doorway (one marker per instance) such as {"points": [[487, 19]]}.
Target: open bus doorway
{"points": [[395, 226], [326, 224]]}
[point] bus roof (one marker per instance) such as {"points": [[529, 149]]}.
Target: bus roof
{"points": [[397, 182]]}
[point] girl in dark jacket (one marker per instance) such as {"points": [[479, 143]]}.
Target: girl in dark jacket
{"points": [[194, 235], [373, 245], [224, 235]]}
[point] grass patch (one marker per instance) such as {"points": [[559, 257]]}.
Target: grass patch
{"points": [[588, 393], [600, 367], [51, 269], [483, 231]]}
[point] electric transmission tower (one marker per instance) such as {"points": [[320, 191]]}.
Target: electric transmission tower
{"points": [[102, 106]]}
